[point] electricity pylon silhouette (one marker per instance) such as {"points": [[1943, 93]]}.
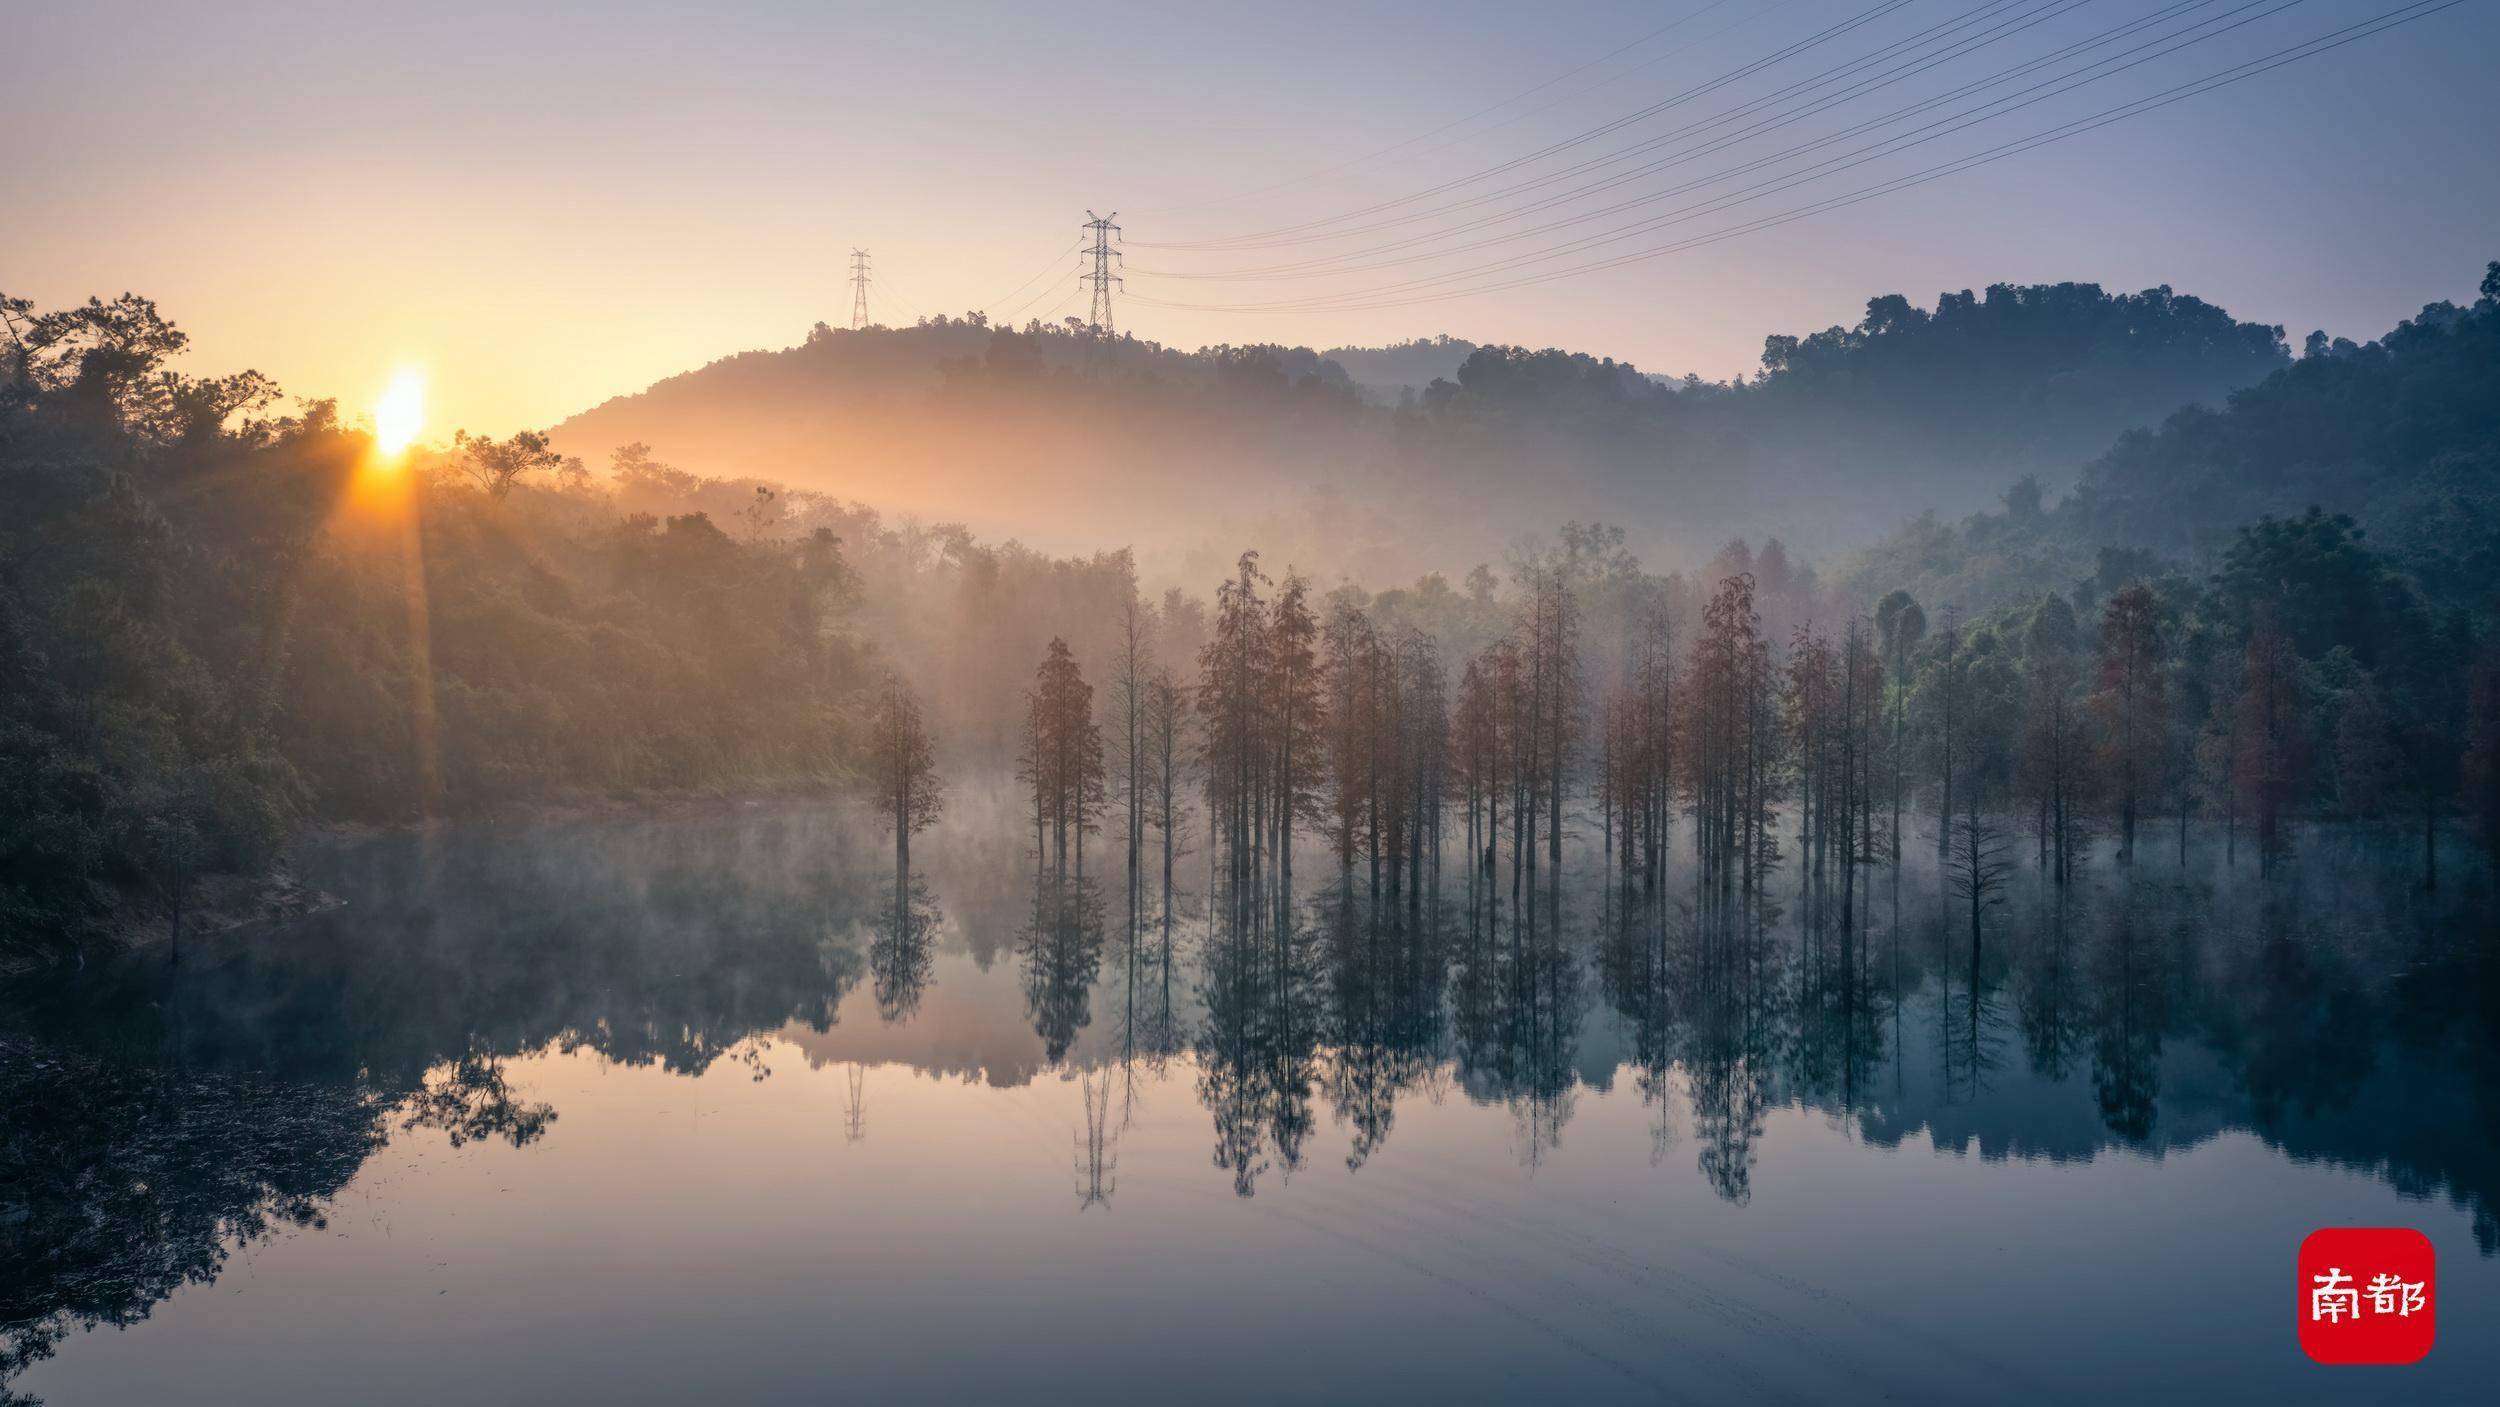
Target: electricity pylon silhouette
{"points": [[859, 289], [1102, 278], [1097, 1149], [855, 1111]]}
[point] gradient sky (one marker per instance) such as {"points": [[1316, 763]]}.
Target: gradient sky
{"points": [[547, 209]]}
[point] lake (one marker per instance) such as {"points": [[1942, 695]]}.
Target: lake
{"points": [[693, 1110]]}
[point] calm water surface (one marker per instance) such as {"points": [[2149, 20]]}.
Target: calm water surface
{"points": [[690, 1111]]}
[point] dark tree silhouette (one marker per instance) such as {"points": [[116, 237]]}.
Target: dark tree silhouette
{"points": [[496, 465], [2134, 715], [2269, 744]]}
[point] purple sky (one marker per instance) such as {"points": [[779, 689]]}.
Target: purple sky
{"points": [[544, 211]]}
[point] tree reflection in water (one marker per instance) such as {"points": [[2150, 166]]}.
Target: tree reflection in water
{"points": [[1060, 953], [151, 1122], [903, 953], [120, 1184], [1258, 1042]]}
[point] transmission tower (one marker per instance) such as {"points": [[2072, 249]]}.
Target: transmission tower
{"points": [[1103, 280], [859, 289]]}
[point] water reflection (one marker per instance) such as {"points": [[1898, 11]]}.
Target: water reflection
{"points": [[1516, 1004], [1258, 1042], [903, 954], [152, 1122], [1060, 954], [1387, 969], [120, 1184], [470, 1099]]}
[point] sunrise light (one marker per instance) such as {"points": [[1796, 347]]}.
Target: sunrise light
{"points": [[399, 415]]}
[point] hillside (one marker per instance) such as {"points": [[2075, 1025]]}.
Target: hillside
{"points": [[2402, 434], [1068, 440]]}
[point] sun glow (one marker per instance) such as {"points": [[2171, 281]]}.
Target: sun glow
{"points": [[400, 415]]}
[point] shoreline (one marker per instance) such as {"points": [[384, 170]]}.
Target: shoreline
{"points": [[222, 906]]}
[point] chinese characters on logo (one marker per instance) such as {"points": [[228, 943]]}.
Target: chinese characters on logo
{"points": [[2366, 1295], [2336, 1298]]}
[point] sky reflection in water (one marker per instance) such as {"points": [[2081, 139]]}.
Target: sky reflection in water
{"points": [[685, 1111]]}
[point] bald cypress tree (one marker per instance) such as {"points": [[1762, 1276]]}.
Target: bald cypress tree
{"points": [[1729, 736], [1294, 705], [1063, 760], [2129, 700], [1353, 649], [1231, 667], [2270, 749], [902, 770]]}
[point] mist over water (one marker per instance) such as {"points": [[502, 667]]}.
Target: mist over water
{"points": [[691, 1108], [1876, 778]]}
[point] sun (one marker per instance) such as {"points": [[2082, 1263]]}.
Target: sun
{"points": [[400, 415]]}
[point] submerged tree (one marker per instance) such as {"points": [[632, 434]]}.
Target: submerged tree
{"points": [[1233, 743], [1388, 743], [1900, 626], [1942, 687], [1552, 641], [1131, 737], [902, 770], [1979, 865], [1263, 708], [2054, 753], [1294, 708], [1355, 708], [2134, 715], [1166, 758], [1644, 756], [2270, 747], [1475, 760], [1729, 737], [1062, 759]]}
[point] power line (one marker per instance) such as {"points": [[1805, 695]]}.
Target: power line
{"points": [[1859, 157], [1788, 51], [1954, 48], [1830, 166], [894, 296], [2333, 39], [1754, 13], [2253, 68], [1039, 294], [895, 303], [1066, 300], [1046, 271], [1342, 263], [1325, 172]]}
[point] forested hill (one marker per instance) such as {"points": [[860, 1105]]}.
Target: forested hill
{"points": [[1067, 439], [1045, 433], [1401, 370], [2402, 435]]}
